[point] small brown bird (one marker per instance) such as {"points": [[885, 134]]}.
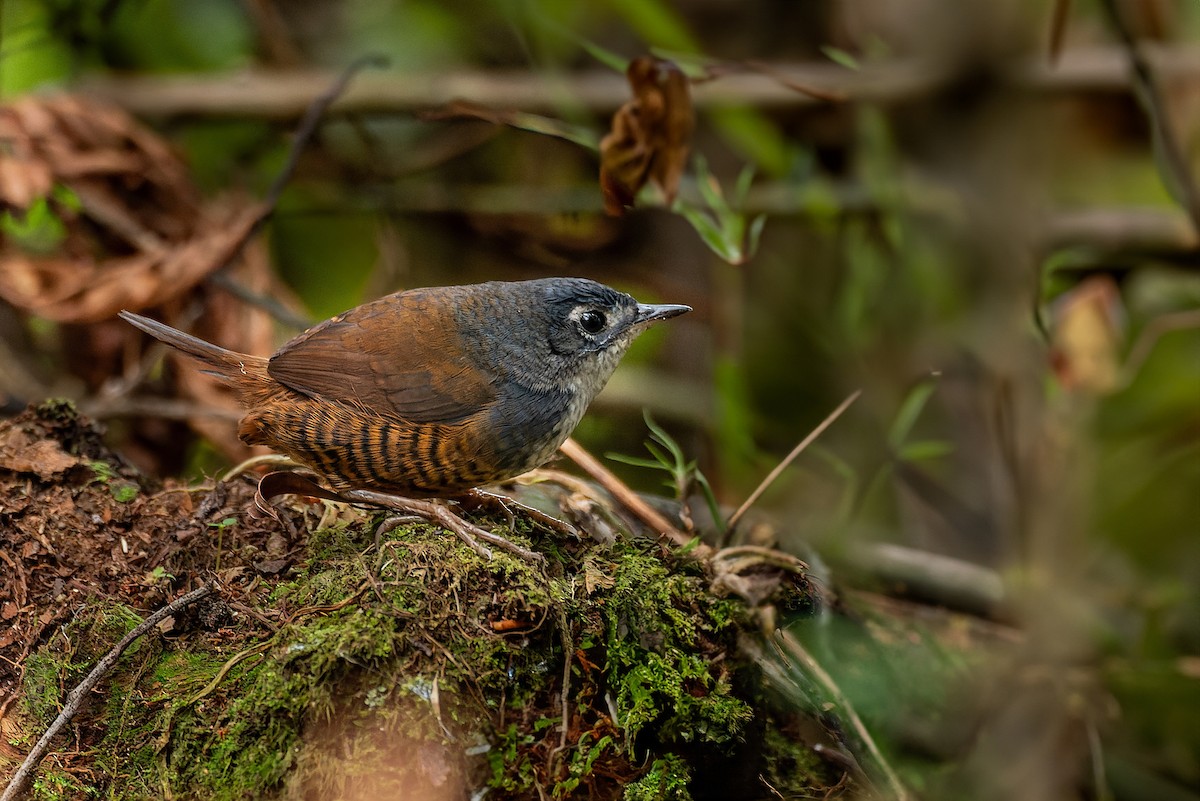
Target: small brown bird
{"points": [[432, 392]]}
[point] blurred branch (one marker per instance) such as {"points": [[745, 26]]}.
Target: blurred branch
{"points": [[1173, 163], [286, 95], [1130, 228], [934, 578], [162, 408], [313, 115], [1058, 28], [1112, 228], [1151, 334]]}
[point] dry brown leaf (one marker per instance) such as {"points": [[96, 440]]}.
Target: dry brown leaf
{"points": [[136, 235], [83, 292], [650, 137], [21, 453], [1087, 336], [23, 183]]}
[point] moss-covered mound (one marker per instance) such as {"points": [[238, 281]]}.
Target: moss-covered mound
{"points": [[413, 667], [339, 658]]}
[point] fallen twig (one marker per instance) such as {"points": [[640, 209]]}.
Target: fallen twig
{"points": [[75, 698], [621, 492], [792, 648]]}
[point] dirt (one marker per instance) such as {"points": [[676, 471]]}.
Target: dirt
{"points": [[79, 524]]}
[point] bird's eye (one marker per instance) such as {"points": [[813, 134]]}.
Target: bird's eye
{"points": [[592, 321]]}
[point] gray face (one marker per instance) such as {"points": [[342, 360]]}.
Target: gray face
{"points": [[564, 334]]}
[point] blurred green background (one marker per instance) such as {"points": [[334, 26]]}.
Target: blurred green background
{"points": [[990, 241]]}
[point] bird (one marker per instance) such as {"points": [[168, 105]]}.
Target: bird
{"points": [[430, 393]]}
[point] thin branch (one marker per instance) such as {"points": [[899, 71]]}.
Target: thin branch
{"points": [[621, 492], [791, 457], [1058, 28], [1154, 331], [312, 117], [313, 114], [934, 578], [262, 301], [77, 696], [160, 408], [1145, 84]]}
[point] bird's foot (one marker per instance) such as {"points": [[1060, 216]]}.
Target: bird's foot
{"points": [[440, 514], [485, 499], [286, 483]]}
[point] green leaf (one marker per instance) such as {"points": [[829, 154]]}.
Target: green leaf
{"points": [[756, 229], [605, 56], [102, 471], [910, 410], [926, 449], [659, 435], [710, 499], [548, 126], [711, 235], [741, 187], [124, 492], [635, 461], [710, 188], [840, 56]]}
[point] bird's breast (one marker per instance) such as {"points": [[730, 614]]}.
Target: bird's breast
{"points": [[528, 425]]}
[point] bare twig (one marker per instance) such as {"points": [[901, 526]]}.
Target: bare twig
{"points": [[621, 492], [304, 133], [265, 302], [1154, 330], [76, 697], [787, 460], [162, 408], [1058, 28], [1145, 84], [795, 650], [312, 117]]}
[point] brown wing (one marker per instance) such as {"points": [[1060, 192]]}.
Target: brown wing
{"points": [[392, 355]]}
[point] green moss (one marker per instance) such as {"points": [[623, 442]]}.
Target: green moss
{"points": [[416, 640], [661, 630], [63, 662], [58, 785], [667, 780], [260, 712]]}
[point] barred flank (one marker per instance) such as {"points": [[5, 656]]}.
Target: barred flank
{"points": [[353, 448]]}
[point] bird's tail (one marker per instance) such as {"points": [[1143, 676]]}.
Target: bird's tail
{"points": [[238, 369]]}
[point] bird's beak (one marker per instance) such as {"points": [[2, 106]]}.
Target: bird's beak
{"points": [[649, 312]]}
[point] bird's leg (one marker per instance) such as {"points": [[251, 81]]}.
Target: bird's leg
{"points": [[485, 499], [440, 514], [286, 483]]}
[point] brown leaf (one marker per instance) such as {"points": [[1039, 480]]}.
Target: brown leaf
{"points": [[21, 453], [1087, 336], [23, 182], [650, 137], [72, 291]]}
